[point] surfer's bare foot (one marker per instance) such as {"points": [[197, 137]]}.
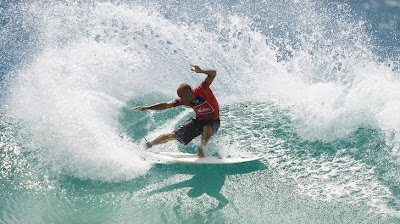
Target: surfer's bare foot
{"points": [[200, 153], [147, 145]]}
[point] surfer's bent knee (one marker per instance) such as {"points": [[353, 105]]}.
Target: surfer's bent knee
{"points": [[173, 136], [208, 128]]}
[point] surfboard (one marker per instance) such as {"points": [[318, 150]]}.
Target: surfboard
{"points": [[180, 157]]}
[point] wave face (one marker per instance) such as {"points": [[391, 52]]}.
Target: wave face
{"points": [[312, 86]]}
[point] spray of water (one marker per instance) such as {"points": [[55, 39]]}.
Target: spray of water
{"points": [[95, 57]]}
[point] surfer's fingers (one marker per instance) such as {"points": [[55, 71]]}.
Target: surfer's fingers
{"points": [[195, 68]]}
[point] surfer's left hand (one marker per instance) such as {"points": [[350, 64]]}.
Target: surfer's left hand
{"points": [[195, 68]]}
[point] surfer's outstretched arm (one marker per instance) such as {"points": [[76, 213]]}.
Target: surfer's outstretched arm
{"points": [[211, 73], [158, 106]]}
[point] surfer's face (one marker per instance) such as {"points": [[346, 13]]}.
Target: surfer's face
{"points": [[186, 96]]}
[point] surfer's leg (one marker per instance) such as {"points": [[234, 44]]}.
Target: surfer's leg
{"points": [[164, 138], [207, 132], [205, 137], [210, 127]]}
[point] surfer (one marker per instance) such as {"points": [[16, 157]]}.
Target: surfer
{"points": [[202, 100]]}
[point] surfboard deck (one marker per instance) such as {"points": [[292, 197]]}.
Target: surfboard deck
{"points": [[180, 157]]}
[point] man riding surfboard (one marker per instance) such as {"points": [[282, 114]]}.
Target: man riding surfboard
{"points": [[202, 100]]}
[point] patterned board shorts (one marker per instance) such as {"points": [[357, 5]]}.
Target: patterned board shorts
{"points": [[193, 128]]}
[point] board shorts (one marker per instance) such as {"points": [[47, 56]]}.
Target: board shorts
{"points": [[193, 128]]}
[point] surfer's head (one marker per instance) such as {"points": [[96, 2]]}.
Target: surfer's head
{"points": [[185, 92]]}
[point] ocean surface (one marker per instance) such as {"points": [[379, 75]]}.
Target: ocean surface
{"points": [[312, 86]]}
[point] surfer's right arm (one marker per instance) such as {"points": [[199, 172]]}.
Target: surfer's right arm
{"points": [[158, 106]]}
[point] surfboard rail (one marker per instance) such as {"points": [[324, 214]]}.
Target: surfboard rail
{"points": [[180, 157]]}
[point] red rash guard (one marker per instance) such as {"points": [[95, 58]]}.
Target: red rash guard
{"points": [[204, 104]]}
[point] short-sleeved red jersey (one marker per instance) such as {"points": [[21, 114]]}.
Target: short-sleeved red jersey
{"points": [[204, 104]]}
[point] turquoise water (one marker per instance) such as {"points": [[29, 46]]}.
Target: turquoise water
{"points": [[311, 86]]}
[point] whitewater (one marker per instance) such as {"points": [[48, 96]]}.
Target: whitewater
{"points": [[311, 86]]}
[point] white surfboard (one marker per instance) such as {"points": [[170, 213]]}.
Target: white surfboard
{"points": [[180, 157]]}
